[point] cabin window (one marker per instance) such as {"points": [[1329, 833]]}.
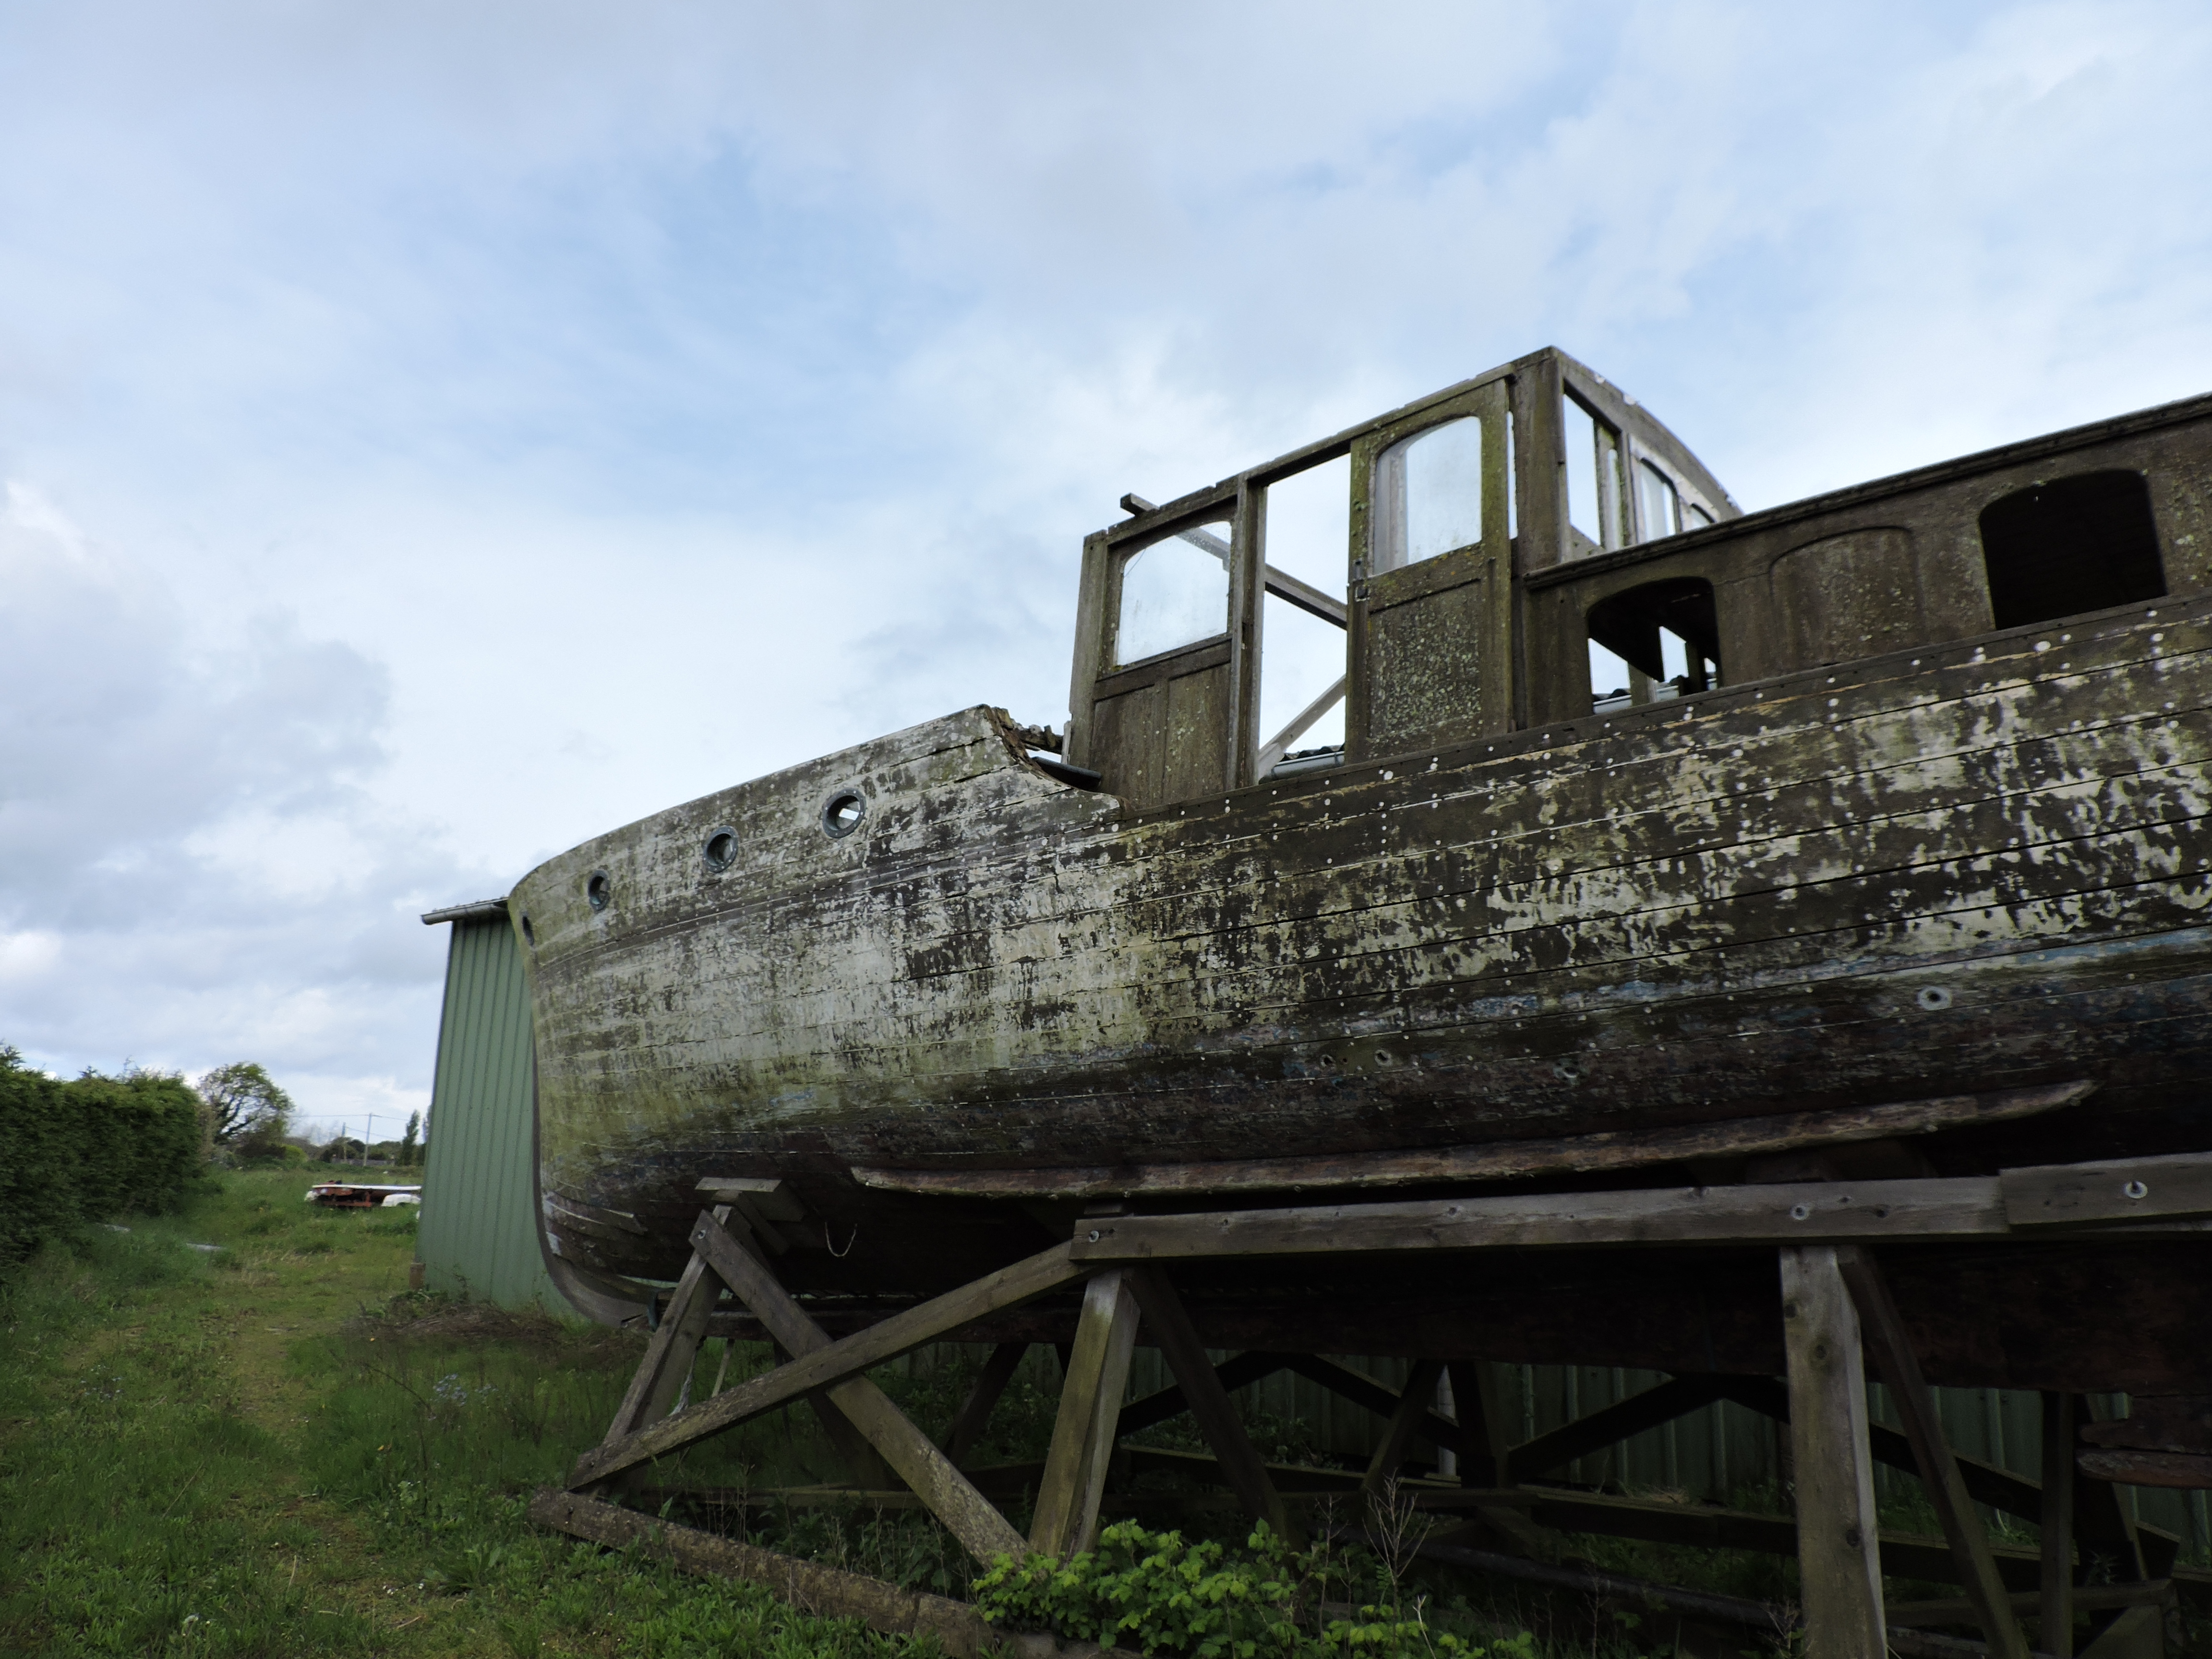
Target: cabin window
{"points": [[1593, 476], [2073, 544], [1658, 502], [1303, 658], [1429, 493], [1654, 643], [1173, 592]]}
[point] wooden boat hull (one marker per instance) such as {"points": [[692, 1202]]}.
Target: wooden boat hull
{"points": [[1976, 865]]}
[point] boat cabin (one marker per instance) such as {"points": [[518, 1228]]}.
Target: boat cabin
{"points": [[1532, 546]]}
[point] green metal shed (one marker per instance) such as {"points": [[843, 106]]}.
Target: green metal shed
{"points": [[480, 1233]]}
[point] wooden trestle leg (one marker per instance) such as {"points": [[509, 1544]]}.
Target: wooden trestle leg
{"points": [[1097, 1373], [2057, 1607], [1963, 1531], [1838, 1559], [1208, 1402], [669, 1356]]}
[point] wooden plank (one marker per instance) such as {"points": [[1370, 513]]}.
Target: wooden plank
{"points": [[659, 1382], [2138, 1633], [1883, 1331], [2000, 1489], [966, 1513], [1500, 1160], [1839, 1546], [1097, 1370], [1678, 1397], [1364, 1391], [2056, 1601], [828, 1591], [1926, 1212], [1238, 1371], [886, 1340], [769, 1196], [2110, 1189], [1247, 1475], [975, 1412], [2091, 1598], [1414, 1405]]}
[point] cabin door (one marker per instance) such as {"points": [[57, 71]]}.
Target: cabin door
{"points": [[1164, 705], [1431, 579]]}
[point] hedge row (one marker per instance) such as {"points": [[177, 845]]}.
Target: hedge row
{"points": [[88, 1149]]}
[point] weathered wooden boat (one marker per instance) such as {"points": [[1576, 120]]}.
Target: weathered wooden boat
{"points": [[1896, 828]]}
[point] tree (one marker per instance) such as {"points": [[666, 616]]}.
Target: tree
{"points": [[407, 1140], [249, 1112]]}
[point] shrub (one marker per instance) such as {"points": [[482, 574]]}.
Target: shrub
{"points": [[87, 1148], [1156, 1594]]}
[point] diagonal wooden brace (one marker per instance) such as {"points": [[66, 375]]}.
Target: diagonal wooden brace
{"points": [[1883, 1331], [966, 1513], [849, 1355], [654, 1392], [1209, 1403]]}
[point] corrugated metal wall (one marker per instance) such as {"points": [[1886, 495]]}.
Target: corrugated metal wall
{"points": [[479, 1230]]}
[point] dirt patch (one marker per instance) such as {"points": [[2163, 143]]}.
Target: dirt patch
{"points": [[418, 1318]]}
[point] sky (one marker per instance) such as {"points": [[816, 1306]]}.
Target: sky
{"points": [[433, 435]]}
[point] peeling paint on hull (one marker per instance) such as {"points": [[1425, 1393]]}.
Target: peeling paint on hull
{"points": [[1971, 867]]}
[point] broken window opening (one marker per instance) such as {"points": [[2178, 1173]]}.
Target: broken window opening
{"points": [[1593, 475], [1429, 492], [2071, 544], [1303, 641], [1173, 592], [1659, 504], [1654, 643]]}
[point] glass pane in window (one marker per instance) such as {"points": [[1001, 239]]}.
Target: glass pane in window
{"points": [[1173, 592], [1431, 491], [1699, 516], [1611, 680], [1662, 507]]}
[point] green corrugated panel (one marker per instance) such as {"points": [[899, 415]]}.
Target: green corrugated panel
{"points": [[479, 1229]]}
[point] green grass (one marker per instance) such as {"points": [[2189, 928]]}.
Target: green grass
{"points": [[242, 1452]]}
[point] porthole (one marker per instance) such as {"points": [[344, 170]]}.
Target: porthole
{"points": [[529, 934], [720, 850], [1934, 999], [598, 890], [842, 812]]}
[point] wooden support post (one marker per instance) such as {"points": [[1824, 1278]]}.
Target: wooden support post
{"points": [[1097, 1372], [2102, 1525], [1485, 1448], [654, 1392], [2057, 1605], [1209, 1402], [975, 1412], [1838, 1559], [966, 1513], [1404, 1424], [1885, 1335]]}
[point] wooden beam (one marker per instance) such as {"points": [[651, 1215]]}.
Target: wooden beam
{"points": [[658, 1384], [1484, 1451], [2056, 1603], [1838, 1541], [1097, 1372], [1384, 1402], [966, 1513], [1238, 1371], [1677, 1397], [2138, 1633], [2097, 1598], [1925, 1212], [2111, 1189], [1241, 1465], [975, 1412], [1497, 1160], [957, 1628], [1883, 1330], [902, 1333], [2001, 1489], [1414, 1405]]}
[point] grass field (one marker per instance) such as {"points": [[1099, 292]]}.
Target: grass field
{"points": [[251, 1450]]}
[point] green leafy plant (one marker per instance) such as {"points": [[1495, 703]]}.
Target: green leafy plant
{"points": [[1161, 1595]]}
